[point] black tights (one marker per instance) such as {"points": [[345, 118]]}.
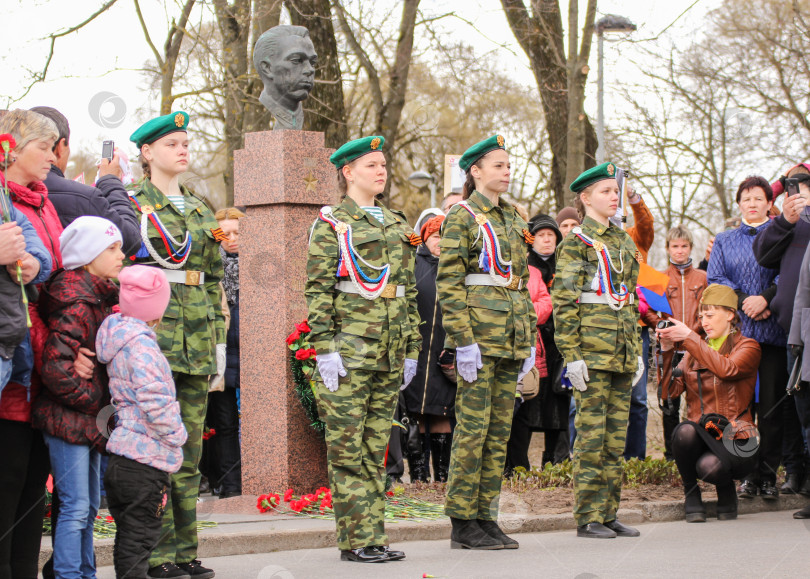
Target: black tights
{"points": [[696, 460]]}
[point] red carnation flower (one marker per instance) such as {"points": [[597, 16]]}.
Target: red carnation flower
{"points": [[303, 327], [7, 143], [288, 494], [304, 354], [292, 338], [297, 506]]}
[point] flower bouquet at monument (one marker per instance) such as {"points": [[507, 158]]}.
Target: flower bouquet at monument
{"points": [[7, 143], [302, 361]]}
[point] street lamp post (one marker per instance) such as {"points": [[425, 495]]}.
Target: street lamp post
{"points": [[420, 179], [609, 23]]}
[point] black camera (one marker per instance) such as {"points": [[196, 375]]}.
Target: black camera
{"points": [[664, 324]]}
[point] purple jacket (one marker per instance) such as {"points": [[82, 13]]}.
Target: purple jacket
{"points": [[149, 428]]}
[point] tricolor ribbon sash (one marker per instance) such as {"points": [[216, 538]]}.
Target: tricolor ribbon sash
{"points": [[490, 260], [349, 260], [178, 252], [604, 268]]}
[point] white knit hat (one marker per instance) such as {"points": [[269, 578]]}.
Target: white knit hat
{"points": [[83, 240]]}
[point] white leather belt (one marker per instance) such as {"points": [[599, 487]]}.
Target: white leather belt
{"points": [[593, 298], [390, 291], [486, 279], [184, 276]]}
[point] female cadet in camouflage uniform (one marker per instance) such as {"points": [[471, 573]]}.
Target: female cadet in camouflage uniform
{"points": [[490, 321], [180, 235], [595, 317], [361, 294]]}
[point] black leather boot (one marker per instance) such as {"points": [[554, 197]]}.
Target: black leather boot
{"points": [[793, 483], [492, 529], [418, 467], [440, 445], [726, 502], [693, 506], [468, 535]]}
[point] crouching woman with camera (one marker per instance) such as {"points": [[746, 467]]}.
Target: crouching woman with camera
{"points": [[718, 442]]}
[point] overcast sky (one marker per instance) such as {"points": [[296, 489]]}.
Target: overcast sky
{"points": [[100, 63]]}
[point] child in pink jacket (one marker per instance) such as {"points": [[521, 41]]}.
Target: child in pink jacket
{"points": [[145, 446]]}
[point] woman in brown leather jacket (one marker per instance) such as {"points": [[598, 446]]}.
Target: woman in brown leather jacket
{"points": [[719, 376]]}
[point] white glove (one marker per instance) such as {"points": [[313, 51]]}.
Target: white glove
{"points": [[218, 381], [527, 364], [640, 372], [468, 362], [330, 366], [410, 372], [577, 373]]}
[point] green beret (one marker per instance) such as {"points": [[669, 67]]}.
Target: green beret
{"points": [[478, 150], [356, 149], [151, 131], [593, 175]]}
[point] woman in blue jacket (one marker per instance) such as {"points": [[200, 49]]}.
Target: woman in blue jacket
{"points": [[733, 264]]}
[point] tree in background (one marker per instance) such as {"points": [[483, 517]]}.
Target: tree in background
{"points": [[561, 77]]}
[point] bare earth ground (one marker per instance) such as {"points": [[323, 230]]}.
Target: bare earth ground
{"points": [[561, 500], [557, 500]]}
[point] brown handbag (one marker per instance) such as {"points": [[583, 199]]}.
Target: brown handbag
{"points": [[529, 385]]}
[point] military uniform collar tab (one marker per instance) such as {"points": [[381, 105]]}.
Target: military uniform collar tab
{"points": [[593, 224], [482, 201]]}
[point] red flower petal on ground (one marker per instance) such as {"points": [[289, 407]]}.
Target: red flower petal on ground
{"points": [[303, 327]]}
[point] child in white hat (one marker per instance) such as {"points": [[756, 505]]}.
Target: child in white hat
{"points": [[73, 303]]}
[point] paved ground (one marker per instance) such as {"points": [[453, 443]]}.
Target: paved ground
{"points": [[761, 545]]}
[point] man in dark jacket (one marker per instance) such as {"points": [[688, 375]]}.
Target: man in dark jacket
{"points": [[71, 199], [782, 246]]}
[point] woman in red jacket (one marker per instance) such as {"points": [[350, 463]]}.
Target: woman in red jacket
{"points": [[23, 455]]}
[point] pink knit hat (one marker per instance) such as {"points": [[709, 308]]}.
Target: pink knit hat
{"points": [[144, 292]]}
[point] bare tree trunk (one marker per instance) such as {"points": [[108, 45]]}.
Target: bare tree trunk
{"points": [[577, 75], [390, 114], [324, 108], [540, 35], [171, 50], [235, 23]]}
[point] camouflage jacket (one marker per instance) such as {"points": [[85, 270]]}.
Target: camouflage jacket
{"points": [[369, 334], [193, 324], [501, 321], [606, 339]]}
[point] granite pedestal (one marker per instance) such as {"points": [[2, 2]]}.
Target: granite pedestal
{"points": [[282, 178]]}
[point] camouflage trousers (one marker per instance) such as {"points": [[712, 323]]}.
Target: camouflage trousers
{"points": [[358, 425], [601, 422], [484, 410], [178, 537]]}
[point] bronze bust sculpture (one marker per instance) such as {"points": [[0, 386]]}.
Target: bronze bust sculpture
{"points": [[285, 59]]}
